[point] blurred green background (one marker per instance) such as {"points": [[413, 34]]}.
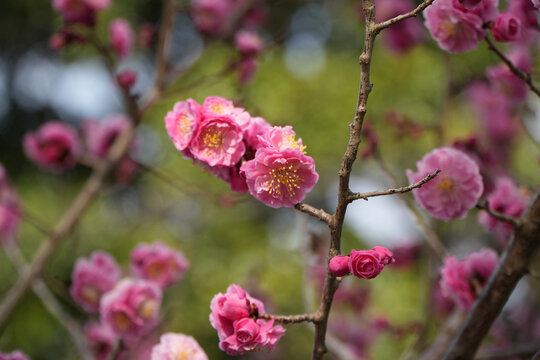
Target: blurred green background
{"points": [[229, 238]]}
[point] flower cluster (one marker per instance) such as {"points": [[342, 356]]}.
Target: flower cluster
{"points": [[454, 191], [463, 280], [128, 307], [10, 210], [178, 347], [16, 355], [57, 147], [246, 152], [364, 264], [234, 316]]}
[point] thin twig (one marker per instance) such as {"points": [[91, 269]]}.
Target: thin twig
{"points": [[513, 68], [418, 10], [401, 190], [483, 205], [502, 354], [51, 304], [289, 319], [313, 211]]}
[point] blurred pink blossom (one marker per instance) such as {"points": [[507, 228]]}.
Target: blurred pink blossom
{"points": [[80, 11], [455, 30], [10, 213], [101, 340], [178, 347], [131, 309], [248, 42], [454, 191], [462, 280], [247, 66], [15, 355], [159, 263], [54, 146], [506, 27], [404, 35], [126, 79], [121, 37], [486, 10], [100, 135], [212, 17], [93, 277]]}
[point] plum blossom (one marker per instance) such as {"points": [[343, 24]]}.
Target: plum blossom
{"points": [[248, 42], [238, 331], [93, 277], [454, 191], [462, 280], [506, 27], [536, 3], [211, 17], [100, 339], [121, 37], [80, 11], [126, 79], [486, 10], [159, 263], [365, 264], [215, 106], [100, 135], [15, 355], [53, 146], [182, 123], [178, 347], [455, 30], [339, 266], [131, 309], [507, 199], [10, 210], [280, 178]]}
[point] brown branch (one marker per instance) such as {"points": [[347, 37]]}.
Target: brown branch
{"points": [[444, 337], [401, 190], [502, 354], [512, 266], [290, 319], [313, 211], [513, 68], [418, 10], [50, 303], [483, 205]]}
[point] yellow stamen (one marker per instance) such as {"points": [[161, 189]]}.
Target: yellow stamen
{"points": [[284, 176], [446, 184], [147, 309]]}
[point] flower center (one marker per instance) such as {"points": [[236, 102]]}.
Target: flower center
{"points": [[155, 270], [446, 28], [213, 139], [122, 321], [90, 294], [147, 309], [184, 354], [284, 176], [183, 125], [291, 142], [446, 184]]}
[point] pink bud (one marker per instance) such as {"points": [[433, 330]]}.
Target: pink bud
{"points": [[506, 27], [386, 255], [248, 42], [126, 79], [339, 265], [121, 37], [365, 264]]}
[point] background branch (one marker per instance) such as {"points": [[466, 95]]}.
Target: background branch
{"points": [[288, 319]]}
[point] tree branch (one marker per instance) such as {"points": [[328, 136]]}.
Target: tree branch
{"points": [[289, 319], [512, 267], [483, 205], [513, 68], [418, 10], [50, 303], [313, 211], [401, 190], [502, 354]]}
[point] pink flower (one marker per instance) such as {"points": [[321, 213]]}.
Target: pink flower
{"points": [[536, 3], [454, 191], [507, 199], [121, 37], [281, 138], [218, 141], [462, 280], [506, 27], [248, 42], [339, 266], [486, 10], [257, 127], [178, 347], [365, 264], [506, 82], [159, 263], [53, 146], [79, 11], [93, 277], [385, 255], [100, 338], [400, 37], [131, 309], [237, 331], [455, 30], [10, 213], [100, 135], [212, 17], [215, 106], [16, 355], [182, 123], [280, 178], [126, 79]]}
